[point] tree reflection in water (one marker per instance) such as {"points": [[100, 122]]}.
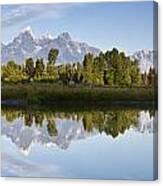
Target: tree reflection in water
{"points": [[112, 122]]}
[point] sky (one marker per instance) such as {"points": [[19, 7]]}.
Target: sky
{"points": [[127, 26]]}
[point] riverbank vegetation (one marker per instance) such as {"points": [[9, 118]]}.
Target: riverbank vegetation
{"points": [[106, 78], [47, 93], [112, 68]]}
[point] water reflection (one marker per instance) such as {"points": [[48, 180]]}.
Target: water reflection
{"points": [[25, 127]]}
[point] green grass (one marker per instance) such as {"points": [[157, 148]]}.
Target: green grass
{"points": [[44, 93]]}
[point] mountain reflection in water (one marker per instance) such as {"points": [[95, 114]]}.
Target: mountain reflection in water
{"points": [[25, 128]]}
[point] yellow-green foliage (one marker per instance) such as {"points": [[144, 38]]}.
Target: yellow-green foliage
{"points": [[112, 68]]}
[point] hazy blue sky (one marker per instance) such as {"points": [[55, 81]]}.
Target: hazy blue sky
{"points": [[127, 26]]}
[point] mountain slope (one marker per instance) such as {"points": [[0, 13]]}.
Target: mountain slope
{"points": [[146, 59], [26, 45]]}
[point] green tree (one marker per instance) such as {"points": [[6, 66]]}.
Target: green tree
{"points": [[39, 68], [87, 67], [52, 56], [51, 69], [136, 78], [68, 71], [150, 76], [29, 68], [110, 77], [98, 69], [12, 72], [79, 73]]}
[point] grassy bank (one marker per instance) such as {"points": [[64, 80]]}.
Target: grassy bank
{"points": [[40, 93]]}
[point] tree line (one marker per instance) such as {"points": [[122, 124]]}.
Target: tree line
{"points": [[112, 68], [111, 122]]}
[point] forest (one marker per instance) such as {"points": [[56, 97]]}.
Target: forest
{"points": [[111, 69], [98, 80]]}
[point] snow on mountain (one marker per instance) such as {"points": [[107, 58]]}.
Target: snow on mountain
{"points": [[69, 50], [68, 131], [146, 59], [44, 40], [22, 46], [26, 45], [27, 29], [23, 136], [147, 123]]}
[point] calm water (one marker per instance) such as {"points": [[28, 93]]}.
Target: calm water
{"points": [[113, 144]]}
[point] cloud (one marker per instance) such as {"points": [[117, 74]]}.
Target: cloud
{"points": [[12, 166], [16, 14]]}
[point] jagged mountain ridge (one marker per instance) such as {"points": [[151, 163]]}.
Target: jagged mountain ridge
{"points": [[23, 136], [26, 45], [146, 59]]}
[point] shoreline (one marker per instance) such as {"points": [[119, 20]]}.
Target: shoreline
{"points": [[51, 95], [69, 105]]}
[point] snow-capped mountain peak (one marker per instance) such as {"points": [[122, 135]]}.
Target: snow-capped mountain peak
{"points": [[44, 40], [146, 59], [49, 36], [26, 45], [27, 29], [46, 36], [65, 36]]}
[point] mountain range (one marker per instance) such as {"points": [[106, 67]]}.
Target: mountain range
{"points": [[25, 44], [24, 136], [146, 59]]}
